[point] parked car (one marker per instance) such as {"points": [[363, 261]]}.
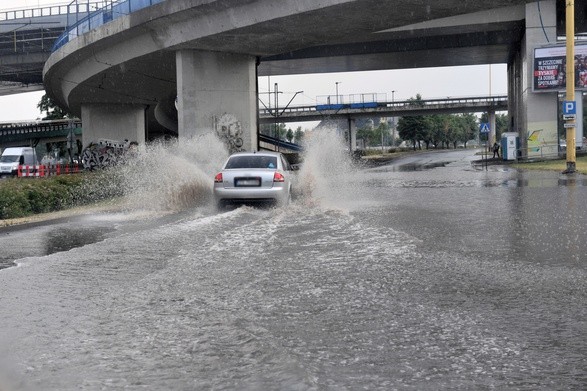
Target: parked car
{"points": [[13, 157], [254, 177]]}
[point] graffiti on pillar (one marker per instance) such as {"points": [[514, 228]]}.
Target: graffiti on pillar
{"points": [[229, 129], [105, 153]]}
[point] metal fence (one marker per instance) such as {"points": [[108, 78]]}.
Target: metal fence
{"points": [[28, 41], [85, 16], [51, 10]]}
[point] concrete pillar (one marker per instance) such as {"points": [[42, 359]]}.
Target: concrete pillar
{"points": [[538, 125], [515, 111], [113, 122], [217, 92], [492, 127], [352, 135], [579, 122]]}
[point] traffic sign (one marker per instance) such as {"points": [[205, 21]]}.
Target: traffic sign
{"points": [[569, 124], [569, 117], [484, 127], [569, 107]]}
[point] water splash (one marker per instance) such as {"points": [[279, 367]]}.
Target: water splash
{"points": [[173, 175], [326, 176]]}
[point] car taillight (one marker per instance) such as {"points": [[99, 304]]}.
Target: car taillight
{"points": [[218, 178], [278, 177]]}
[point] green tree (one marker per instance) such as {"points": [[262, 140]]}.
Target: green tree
{"points": [[439, 132], [48, 105], [281, 131], [299, 135], [367, 134], [470, 127], [413, 127], [289, 135], [382, 133]]}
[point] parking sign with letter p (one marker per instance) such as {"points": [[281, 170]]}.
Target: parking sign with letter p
{"points": [[569, 107]]}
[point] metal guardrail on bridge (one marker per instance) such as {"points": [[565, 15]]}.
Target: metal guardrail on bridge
{"points": [[394, 108], [38, 12], [24, 131], [109, 11], [263, 138]]}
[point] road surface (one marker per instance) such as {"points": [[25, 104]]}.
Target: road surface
{"points": [[423, 274]]}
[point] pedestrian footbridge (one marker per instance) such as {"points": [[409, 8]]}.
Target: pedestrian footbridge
{"points": [[367, 105]]}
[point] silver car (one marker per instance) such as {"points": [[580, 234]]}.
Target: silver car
{"points": [[254, 177]]}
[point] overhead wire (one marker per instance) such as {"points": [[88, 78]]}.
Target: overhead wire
{"points": [[542, 22]]}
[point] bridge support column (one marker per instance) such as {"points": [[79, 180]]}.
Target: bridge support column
{"points": [[114, 122], [217, 92], [352, 139], [538, 125], [492, 127]]}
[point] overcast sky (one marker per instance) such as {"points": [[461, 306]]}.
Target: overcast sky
{"points": [[429, 82]]}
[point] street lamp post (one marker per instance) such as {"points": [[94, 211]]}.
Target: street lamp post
{"points": [[291, 100], [276, 134], [393, 120], [337, 83]]}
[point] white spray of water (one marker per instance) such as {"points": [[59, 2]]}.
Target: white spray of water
{"points": [[178, 174], [173, 175], [326, 176]]}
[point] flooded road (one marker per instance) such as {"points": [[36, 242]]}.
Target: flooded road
{"points": [[411, 276]]}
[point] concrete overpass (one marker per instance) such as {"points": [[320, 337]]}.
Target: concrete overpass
{"points": [[123, 77], [26, 42]]}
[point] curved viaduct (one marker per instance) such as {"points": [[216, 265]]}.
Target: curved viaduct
{"points": [[123, 77]]}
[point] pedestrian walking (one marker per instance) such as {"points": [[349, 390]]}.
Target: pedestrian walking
{"points": [[495, 149]]}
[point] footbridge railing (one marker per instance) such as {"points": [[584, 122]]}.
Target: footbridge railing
{"points": [[50, 10], [108, 11], [346, 107]]}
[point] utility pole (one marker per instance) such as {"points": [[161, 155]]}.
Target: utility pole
{"points": [[275, 111], [276, 134], [570, 35], [337, 83], [393, 119]]}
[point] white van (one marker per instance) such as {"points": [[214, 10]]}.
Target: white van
{"points": [[13, 157]]}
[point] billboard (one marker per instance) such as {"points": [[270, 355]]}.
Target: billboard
{"points": [[550, 72]]}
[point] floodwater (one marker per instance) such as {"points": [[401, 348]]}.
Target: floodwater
{"points": [[407, 276]]}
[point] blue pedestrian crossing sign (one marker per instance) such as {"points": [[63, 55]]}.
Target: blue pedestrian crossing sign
{"points": [[484, 127]]}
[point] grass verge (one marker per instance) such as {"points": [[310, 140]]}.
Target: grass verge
{"points": [[554, 165]]}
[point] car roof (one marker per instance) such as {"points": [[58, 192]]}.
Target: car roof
{"points": [[260, 153], [268, 153]]}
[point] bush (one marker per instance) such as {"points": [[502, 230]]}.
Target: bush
{"points": [[20, 197]]}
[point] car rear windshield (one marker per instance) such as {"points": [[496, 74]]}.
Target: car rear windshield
{"points": [[258, 161]]}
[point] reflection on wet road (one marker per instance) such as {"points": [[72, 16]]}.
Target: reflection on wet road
{"points": [[445, 277]]}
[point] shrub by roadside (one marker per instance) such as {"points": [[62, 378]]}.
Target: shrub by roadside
{"points": [[21, 197]]}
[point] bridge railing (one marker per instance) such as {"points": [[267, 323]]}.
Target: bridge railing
{"points": [[358, 101], [50, 10], [20, 130], [28, 41], [87, 19]]}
